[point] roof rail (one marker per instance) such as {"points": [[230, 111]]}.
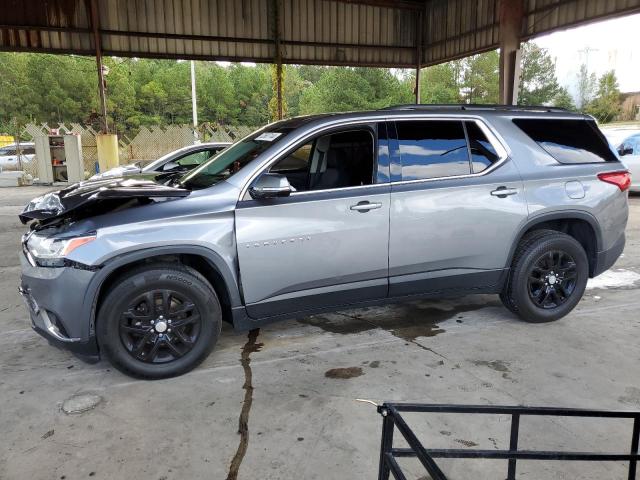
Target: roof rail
{"points": [[475, 106]]}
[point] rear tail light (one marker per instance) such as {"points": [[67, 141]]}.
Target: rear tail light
{"points": [[622, 180]]}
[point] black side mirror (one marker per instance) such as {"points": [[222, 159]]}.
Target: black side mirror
{"points": [[625, 149], [270, 185]]}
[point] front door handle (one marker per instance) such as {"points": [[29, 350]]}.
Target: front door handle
{"points": [[503, 192], [365, 206]]}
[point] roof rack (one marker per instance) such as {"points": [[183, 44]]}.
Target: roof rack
{"points": [[475, 106]]}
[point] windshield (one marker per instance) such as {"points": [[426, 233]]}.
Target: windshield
{"points": [[233, 159]]}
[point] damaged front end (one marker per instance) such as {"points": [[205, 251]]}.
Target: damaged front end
{"points": [[86, 199]]}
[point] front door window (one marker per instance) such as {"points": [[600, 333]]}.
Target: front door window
{"points": [[336, 160]]}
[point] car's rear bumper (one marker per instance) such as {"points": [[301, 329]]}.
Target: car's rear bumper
{"points": [[54, 299], [605, 259]]}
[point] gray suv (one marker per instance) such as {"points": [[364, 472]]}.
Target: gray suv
{"points": [[322, 212]]}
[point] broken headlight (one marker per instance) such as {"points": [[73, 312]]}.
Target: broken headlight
{"points": [[51, 251]]}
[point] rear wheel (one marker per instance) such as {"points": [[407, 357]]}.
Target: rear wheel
{"points": [[159, 321], [548, 276]]}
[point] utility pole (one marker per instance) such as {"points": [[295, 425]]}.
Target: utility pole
{"points": [[586, 51], [98, 45], [418, 54], [278, 59], [194, 101]]}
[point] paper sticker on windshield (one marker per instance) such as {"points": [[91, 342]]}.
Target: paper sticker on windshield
{"points": [[268, 136]]}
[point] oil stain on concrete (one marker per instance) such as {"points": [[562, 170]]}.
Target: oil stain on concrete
{"points": [[497, 365], [466, 443], [344, 373], [406, 321]]}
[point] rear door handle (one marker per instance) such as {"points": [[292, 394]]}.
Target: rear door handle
{"points": [[365, 206], [503, 192]]}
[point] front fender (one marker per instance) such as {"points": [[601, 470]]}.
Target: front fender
{"points": [[226, 271]]}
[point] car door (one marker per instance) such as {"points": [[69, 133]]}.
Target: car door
{"points": [[456, 205], [327, 243]]}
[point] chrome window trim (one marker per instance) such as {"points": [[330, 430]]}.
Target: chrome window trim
{"points": [[339, 189], [492, 135]]}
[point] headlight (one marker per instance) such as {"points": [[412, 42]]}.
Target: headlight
{"points": [[51, 251]]}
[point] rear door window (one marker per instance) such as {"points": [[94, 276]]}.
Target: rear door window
{"points": [[483, 155], [568, 141], [432, 149]]}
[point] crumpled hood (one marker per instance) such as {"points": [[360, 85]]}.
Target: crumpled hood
{"points": [[89, 198]]}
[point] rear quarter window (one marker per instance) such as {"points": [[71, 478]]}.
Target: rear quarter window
{"points": [[568, 141]]}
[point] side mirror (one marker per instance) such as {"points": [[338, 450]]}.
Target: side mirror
{"points": [[625, 149], [270, 185]]}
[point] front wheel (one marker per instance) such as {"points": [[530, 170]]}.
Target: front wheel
{"points": [[159, 321], [548, 276]]}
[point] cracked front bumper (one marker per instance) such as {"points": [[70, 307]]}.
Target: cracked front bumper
{"points": [[54, 299]]}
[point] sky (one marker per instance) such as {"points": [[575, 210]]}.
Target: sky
{"points": [[611, 44]]}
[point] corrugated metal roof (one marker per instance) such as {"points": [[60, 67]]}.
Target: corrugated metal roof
{"points": [[336, 32]]}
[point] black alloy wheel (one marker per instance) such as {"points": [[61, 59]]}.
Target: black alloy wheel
{"points": [[160, 326], [547, 278], [552, 279], [158, 320]]}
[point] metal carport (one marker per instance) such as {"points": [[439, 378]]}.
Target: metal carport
{"points": [[376, 33]]}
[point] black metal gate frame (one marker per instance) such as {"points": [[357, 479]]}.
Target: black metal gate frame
{"points": [[393, 419]]}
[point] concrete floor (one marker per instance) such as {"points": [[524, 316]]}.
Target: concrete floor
{"points": [[304, 421]]}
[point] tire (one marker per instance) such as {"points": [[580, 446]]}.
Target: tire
{"points": [[134, 327], [548, 277]]}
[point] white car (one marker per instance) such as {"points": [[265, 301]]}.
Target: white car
{"points": [[9, 158], [629, 152]]}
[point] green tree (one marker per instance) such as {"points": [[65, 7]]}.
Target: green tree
{"points": [[121, 96], [538, 82], [16, 95], [294, 85], [151, 100], [563, 99], [341, 89], [586, 86], [273, 102], [606, 104], [337, 90], [216, 94], [440, 84], [252, 93], [480, 78]]}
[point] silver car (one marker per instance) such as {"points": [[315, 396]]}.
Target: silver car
{"points": [[324, 212], [178, 161]]}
